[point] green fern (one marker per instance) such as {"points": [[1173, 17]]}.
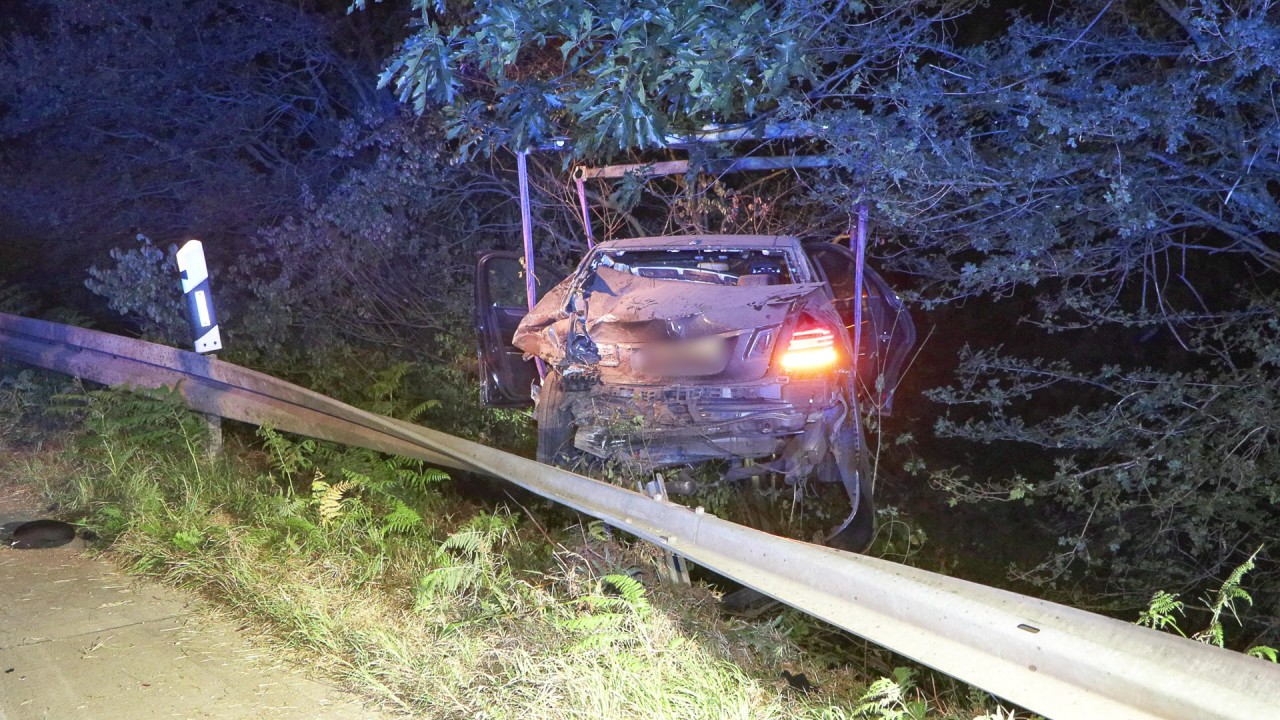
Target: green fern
{"points": [[189, 540], [475, 545], [1264, 652], [449, 580], [630, 591], [595, 623], [598, 631], [481, 534], [421, 409], [402, 519], [598, 531], [420, 479], [1165, 608], [1225, 601], [359, 479], [469, 567], [888, 699], [151, 419], [386, 383], [608, 613], [1162, 612], [288, 457], [383, 393]]}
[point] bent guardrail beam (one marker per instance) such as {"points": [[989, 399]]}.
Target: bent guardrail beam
{"points": [[1055, 660]]}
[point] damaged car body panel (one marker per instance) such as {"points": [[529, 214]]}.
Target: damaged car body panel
{"points": [[641, 325], [671, 351], [680, 372]]}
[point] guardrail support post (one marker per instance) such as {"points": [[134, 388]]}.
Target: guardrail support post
{"points": [[675, 567]]}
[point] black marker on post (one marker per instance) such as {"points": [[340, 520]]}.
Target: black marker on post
{"points": [[205, 336]]}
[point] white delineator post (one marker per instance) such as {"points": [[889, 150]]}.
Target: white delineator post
{"points": [[205, 335]]}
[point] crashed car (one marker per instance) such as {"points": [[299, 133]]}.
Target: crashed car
{"points": [[670, 351]]}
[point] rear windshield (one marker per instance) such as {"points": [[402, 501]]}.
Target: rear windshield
{"points": [[715, 267]]}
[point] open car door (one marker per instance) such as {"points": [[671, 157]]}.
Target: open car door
{"points": [[505, 376], [888, 334]]}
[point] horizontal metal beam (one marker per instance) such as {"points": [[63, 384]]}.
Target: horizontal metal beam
{"points": [[1055, 660], [717, 167], [752, 132], [239, 394], [755, 132]]}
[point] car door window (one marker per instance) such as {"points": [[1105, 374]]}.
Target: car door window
{"points": [[501, 303], [838, 267], [505, 278]]}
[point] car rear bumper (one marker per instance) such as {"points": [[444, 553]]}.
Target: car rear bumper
{"points": [[657, 426]]}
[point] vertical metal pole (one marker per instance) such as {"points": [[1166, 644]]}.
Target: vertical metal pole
{"points": [[860, 253], [676, 567], [586, 217], [526, 229]]}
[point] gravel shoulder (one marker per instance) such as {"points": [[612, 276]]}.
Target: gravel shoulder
{"points": [[79, 639]]}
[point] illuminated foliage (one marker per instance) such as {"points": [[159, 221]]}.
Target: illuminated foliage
{"points": [[621, 74]]}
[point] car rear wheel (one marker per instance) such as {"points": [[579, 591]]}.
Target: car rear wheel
{"points": [[555, 423]]}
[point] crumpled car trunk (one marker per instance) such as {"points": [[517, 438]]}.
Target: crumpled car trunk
{"points": [[654, 330]]}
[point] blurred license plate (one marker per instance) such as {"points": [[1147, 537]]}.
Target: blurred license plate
{"points": [[705, 356]]}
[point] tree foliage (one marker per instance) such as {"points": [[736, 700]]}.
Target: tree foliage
{"points": [[619, 75], [1102, 148], [1115, 171], [1085, 148], [1166, 474]]}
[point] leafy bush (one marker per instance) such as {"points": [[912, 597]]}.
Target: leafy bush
{"points": [[1167, 478], [143, 285], [366, 296]]}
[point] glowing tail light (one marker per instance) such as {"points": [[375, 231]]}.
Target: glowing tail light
{"points": [[810, 349]]}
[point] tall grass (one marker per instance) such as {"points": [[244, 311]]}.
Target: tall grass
{"points": [[369, 569]]}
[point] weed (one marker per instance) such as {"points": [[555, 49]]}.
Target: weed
{"points": [[890, 699], [1165, 609]]}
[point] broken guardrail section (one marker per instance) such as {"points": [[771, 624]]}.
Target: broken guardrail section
{"points": [[1055, 660]]}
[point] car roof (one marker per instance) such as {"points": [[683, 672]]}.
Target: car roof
{"points": [[677, 242]]}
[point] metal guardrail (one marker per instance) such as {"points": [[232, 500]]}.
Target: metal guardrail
{"points": [[1055, 660]]}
